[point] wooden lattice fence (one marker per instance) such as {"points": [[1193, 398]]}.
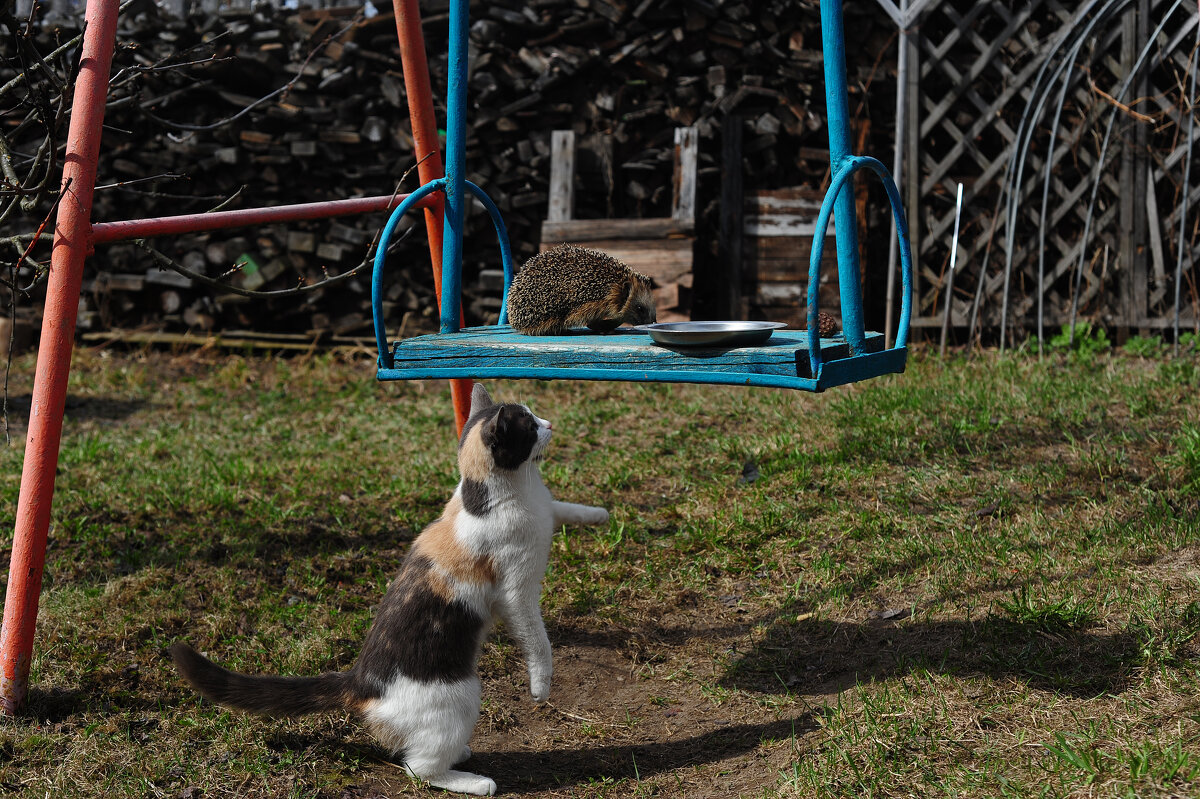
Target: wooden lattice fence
{"points": [[980, 72]]}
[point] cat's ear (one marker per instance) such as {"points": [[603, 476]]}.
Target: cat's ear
{"points": [[480, 399]]}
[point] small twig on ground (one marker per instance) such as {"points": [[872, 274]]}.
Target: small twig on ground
{"points": [[575, 716]]}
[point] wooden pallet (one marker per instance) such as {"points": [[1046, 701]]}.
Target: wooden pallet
{"points": [[778, 231], [662, 249]]}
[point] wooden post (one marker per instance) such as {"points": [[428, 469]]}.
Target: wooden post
{"points": [[683, 198], [728, 285], [912, 163], [1140, 272], [562, 176], [1132, 280]]}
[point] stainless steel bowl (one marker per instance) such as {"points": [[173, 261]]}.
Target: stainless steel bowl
{"points": [[711, 334]]}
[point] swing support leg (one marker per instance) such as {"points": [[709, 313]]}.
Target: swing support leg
{"points": [[429, 163], [54, 354], [837, 108]]}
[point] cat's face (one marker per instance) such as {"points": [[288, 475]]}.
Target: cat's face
{"points": [[500, 436]]}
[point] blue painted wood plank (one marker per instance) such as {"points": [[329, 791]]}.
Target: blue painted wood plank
{"points": [[863, 367], [628, 355]]}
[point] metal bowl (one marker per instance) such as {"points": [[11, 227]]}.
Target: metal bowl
{"points": [[711, 334]]}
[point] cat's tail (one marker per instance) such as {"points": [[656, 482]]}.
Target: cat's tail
{"points": [[264, 695]]}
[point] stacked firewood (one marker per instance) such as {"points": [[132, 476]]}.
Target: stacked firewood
{"points": [[188, 130]]}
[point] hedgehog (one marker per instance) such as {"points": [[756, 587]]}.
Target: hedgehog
{"points": [[568, 286]]}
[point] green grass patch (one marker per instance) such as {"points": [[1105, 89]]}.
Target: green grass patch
{"points": [[980, 578]]}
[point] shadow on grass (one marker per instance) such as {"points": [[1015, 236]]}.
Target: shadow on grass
{"points": [[122, 542], [107, 409], [563, 768], [78, 409], [524, 771], [62, 704], [812, 655]]}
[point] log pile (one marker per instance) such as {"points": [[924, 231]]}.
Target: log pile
{"points": [[623, 74]]}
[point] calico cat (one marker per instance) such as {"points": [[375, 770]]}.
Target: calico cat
{"points": [[415, 683]]}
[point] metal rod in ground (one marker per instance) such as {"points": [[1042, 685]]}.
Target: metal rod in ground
{"points": [[950, 275], [54, 353]]}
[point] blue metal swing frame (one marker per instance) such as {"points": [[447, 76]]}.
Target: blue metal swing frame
{"points": [[789, 359]]}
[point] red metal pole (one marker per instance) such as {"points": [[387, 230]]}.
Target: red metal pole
{"points": [[54, 354], [427, 148]]}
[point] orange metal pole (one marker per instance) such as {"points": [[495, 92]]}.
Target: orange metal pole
{"points": [[427, 148], [54, 354]]}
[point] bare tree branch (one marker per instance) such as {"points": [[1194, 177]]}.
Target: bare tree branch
{"points": [[280, 92], [165, 262]]}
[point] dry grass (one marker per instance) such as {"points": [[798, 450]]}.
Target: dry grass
{"points": [[977, 579]]}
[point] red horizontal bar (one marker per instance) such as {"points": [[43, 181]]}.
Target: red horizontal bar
{"points": [[105, 232]]}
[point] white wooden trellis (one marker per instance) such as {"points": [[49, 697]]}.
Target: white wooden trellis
{"points": [[967, 75]]}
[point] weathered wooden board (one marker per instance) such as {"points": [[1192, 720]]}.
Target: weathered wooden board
{"points": [[562, 176], [663, 260], [572, 231], [779, 228]]}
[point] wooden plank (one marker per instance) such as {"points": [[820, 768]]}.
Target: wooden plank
{"points": [[1131, 201], [576, 230], [790, 293], [1155, 230], [663, 265], [766, 257], [666, 297], [562, 176], [664, 260], [683, 198], [795, 199], [794, 248], [784, 225], [664, 245], [773, 270], [1142, 173], [793, 316]]}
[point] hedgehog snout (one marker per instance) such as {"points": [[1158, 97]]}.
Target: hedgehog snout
{"points": [[642, 313]]}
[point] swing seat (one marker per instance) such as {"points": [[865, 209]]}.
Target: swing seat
{"points": [[797, 359], [793, 359], [628, 355]]}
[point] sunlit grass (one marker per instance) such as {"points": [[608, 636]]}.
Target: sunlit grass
{"points": [[980, 578]]}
